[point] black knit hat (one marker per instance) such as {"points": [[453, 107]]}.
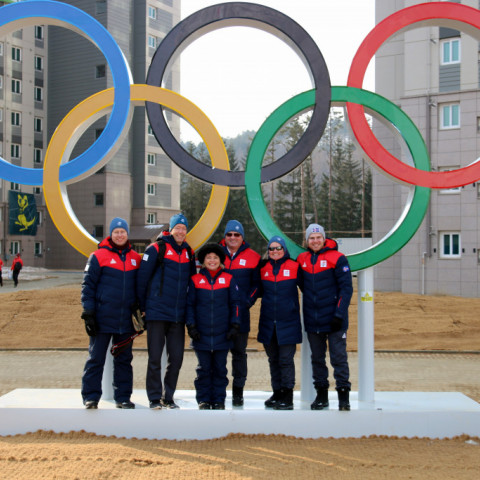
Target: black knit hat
{"points": [[211, 248]]}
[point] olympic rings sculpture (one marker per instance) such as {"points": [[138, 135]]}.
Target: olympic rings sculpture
{"points": [[57, 174]]}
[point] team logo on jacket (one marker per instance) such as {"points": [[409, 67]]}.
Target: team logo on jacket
{"points": [[346, 269], [286, 273], [112, 261], [323, 264], [169, 252], [221, 280], [201, 281], [266, 274], [242, 262], [134, 262], [145, 257], [304, 265]]}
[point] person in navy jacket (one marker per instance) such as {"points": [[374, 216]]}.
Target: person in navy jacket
{"points": [[162, 286], [242, 262], [326, 283], [279, 327], [108, 299], [213, 320]]}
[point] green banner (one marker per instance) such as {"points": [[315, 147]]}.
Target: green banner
{"points": [[22, 213]]}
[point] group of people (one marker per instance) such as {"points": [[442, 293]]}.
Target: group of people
{"points": [[213, 304], [17, 265]]}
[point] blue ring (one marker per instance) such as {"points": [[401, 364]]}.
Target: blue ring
{"points": [[86, 24]]}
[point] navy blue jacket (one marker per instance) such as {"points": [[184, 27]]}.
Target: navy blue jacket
{"points": [[108, 287], [213, 307], [243, 265], [162, 290], [326, 283], [280, 308]]}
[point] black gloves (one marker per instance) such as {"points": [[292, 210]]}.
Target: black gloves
{"points": [[90, 323], [233, 332], [336, 324], [193, 333]]}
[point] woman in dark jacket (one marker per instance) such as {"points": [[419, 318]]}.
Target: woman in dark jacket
{"points": [[108, 299], [279, 328], [213, 319]]}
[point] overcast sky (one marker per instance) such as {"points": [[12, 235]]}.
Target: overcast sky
{"points": [[239, 75]]}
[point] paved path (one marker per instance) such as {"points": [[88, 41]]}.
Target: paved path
{"points": [[424, 372], [39, 278]]}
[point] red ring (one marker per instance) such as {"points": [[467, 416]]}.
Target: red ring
{"points": [[392, 166]]}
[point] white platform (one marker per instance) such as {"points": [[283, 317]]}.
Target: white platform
{"points": [[434, 415]]}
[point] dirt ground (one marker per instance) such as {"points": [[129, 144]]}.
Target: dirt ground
{"points": [[51, 318]]}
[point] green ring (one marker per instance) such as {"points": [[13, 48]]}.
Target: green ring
{"points": [[415, 208]]}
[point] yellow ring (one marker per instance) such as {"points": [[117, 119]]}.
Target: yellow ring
{"points": [[90, 109]]}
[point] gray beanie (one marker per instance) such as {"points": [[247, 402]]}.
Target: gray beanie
{"points": [[314, 228]]}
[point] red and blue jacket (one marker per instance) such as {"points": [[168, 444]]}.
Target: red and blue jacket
{"points": [[244, 266], [108, 287], [280, 309], [162, 287], [213, 306], [326, 283]]}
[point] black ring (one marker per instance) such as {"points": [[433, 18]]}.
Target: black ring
{"points": [[264, 18]]}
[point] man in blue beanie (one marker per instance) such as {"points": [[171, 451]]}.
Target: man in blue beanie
{"points": [[108, 299], [163, 278], [243, 264]]}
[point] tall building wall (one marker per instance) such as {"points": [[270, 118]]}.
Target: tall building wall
{"points": [[443, 256]]}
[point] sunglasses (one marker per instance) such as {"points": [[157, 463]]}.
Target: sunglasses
{"points": [[272, 249], [233, 234]]}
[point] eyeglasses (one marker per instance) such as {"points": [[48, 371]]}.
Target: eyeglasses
{"points": [[272, 249], [233, 234]]}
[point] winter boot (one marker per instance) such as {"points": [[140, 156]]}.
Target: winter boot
{"points": [[286, 400], [321, 400], [343, 399], [270, 403], [237, 396]]}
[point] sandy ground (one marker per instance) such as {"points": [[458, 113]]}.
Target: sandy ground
{"points": [[50, 318]]}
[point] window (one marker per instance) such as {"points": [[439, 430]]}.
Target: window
{"points": [[1, 81], [38, 249], [450, 51], [100, 7], [450, 245], [149, 130], [39, 32], [38, 94], [98, 199], [37, 155], [16, 119], [38, 62], [98, 132], [37, 190], [15, 150], [150, 159], [100, 71], [152, 12], [450, 116], [17, 54], [16, 86], [39, 217], [449, 190], [15, 247], [38, 124], [15, 186], [1, 49], [98, 231], [151, 188], [152, 41], [151, 218]]}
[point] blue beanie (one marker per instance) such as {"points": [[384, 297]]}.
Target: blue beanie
{"points": [[234, 226], [280, 240], [314, 228], [176, 219], [118, 222]]}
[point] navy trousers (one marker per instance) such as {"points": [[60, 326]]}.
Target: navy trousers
{"points": [[337, 346], [282, 365], [239, 359], [159, 334], [122, 368], [211, 382]]}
